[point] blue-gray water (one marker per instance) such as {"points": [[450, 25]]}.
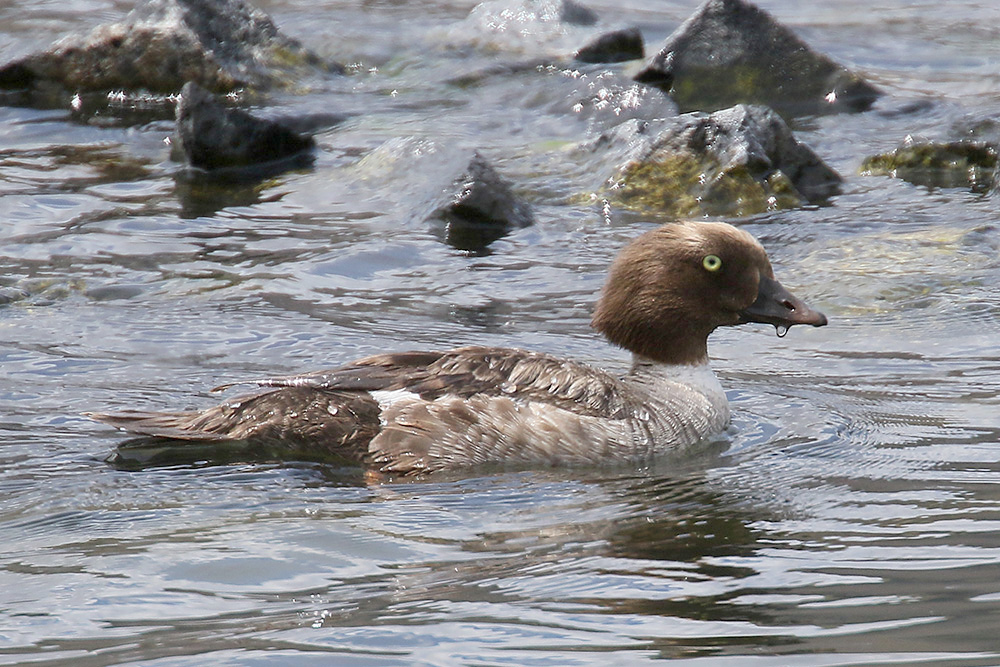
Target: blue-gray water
{"points": [[850, 517]]}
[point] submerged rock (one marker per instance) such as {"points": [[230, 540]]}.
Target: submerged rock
{"points": [[737, 161], [546, 32], [575, 13], [453, 189], [38, 292], [731, 52], [957, 164], [222, 45], [613, 47], [527, 16], [213, 136], [479, 207], [599, 97], [535, 27]]}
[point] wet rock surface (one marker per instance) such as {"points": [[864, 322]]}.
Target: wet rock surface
{"points": [[576, 13], [547, 32], [613, 47], [956, 164], [730, 52], [550, 29], [737, 161], [161, 44], [480, 207], [211, 135], [454, 189]]}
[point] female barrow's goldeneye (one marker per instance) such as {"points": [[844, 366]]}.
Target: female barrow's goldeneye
{"points": [[415, 412]]}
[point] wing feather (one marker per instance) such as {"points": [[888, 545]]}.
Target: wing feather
{"points": [[470, 371], [323, 423]]}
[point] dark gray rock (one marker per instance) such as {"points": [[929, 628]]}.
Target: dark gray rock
{"points": [[730, 52], [161, 44], [451, 188], [613, 47], [479, 207], [213, 136], [737, 161]]}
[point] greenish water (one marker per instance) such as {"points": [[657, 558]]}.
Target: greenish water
{"points": [[850, 517]]}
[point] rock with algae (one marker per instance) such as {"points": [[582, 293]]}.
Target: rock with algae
{"points": [[737, 161], [730, 52], [957, 164], [223, 45]]}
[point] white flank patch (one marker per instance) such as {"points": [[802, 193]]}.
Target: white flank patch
{"points": [[387, 399]]}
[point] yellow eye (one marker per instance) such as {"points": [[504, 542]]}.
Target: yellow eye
{"points": [[712, 263]]}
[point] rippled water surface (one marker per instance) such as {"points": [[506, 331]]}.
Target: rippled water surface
{"points": [[851, 516]]}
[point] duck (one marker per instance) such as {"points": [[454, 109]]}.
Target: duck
{"points": [[419, 412]]}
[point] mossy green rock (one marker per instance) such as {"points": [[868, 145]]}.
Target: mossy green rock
{"points": [[959, 164], [222, 45], [686, 185], [735, 162]]}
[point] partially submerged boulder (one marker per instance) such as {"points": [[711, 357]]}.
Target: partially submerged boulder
{"points": [[214, 136], [575, 13], [222, 45], [546, 32], [737, 161], [479, 207], [455, 190], [956, 164], [613, 47], [730, 52], [533, 27], [600, 97]]}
